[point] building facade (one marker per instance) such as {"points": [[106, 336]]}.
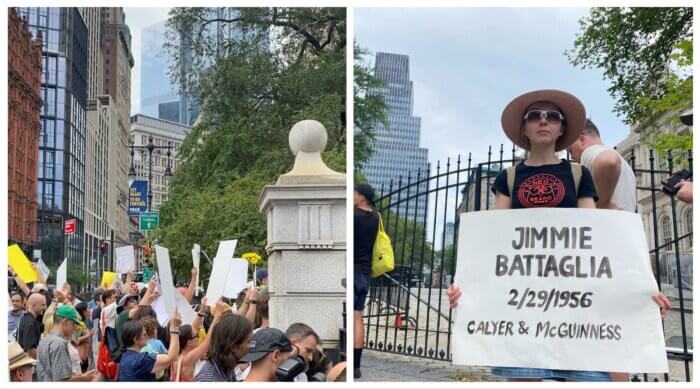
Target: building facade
{"points": [[397, 148], [24, 115], [163, 133], [632, 145], [61, 167]]}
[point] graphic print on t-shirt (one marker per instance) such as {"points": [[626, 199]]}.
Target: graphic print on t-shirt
{"points": [[541, 190]]}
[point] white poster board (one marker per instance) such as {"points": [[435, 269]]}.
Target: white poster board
{"points": [[220, 270], [165, 277], [237, 277], [45, 271], [62, 274], [558, 289], [196, 256], [162, 314], [126, 259], [186, 312]]}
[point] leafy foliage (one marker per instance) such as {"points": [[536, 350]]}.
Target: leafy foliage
{"points": [[286, 65], [635, 47]]}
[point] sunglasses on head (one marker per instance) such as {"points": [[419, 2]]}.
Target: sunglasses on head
{"points": [[537, 114]]}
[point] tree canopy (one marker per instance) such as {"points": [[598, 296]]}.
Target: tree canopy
{"points": [[283, 65], [645, 53]]}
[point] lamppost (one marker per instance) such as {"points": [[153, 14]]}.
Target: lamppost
{"points": [[150, 147]]}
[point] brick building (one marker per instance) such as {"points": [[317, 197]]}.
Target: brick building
{"points": [[24, 101]]}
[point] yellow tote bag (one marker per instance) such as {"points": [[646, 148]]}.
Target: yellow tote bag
{"points": [[382, 253]]}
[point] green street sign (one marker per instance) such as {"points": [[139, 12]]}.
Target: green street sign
{"points": [[148, 221], [147, 274]]}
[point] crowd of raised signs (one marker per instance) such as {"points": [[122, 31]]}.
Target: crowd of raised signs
{"points": [[124, 334]]}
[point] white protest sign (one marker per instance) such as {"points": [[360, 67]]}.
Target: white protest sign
{"points": [[558, 289], [162, 314], [237, 277], [45, 271], [219, 271], [196, 256], [62, 274], [165, 276], [186, 312], [126, 259]]}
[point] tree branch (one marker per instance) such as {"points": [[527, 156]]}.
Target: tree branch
{"points": [[329, 35]]}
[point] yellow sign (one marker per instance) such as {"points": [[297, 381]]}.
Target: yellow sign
{"points": [[108, 279], [21, 264]]}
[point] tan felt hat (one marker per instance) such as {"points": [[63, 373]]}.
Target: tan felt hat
{"points": [[571, 107], [18, 357]]}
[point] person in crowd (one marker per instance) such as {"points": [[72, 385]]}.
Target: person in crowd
{"points": [[71, 299], [192, 350], [229, 342], [269, 348], [154, 346], [108, 310], [30, 326], [143, 366], [306, 340], [366, 226], [247, 303], [14, 314], [128, 305], [613, 177], [543, 122], [82, 337], [53, 356], [20, 363], [262, 318]]}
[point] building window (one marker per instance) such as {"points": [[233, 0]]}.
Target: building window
{"points": [[666, 231]]}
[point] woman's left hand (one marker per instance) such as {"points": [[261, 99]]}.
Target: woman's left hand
{"points": [[663, 302]]}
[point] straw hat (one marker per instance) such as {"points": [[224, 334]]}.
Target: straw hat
{"points": [[18, 357], [570, 106]]}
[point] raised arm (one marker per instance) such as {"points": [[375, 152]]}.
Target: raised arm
{"points": [[163, 361], [20, 284], [201, 350], [192, 287]]}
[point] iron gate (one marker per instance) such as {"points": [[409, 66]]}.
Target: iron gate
{"points": [[407, 311]]}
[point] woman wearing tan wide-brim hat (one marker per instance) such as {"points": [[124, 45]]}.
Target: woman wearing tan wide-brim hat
{"points": [[544, 122]]}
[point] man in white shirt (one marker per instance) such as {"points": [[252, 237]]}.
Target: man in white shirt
{"points": [[613, 177]]}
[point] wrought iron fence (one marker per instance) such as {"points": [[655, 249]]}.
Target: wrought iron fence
{"points": [[407, 311]]}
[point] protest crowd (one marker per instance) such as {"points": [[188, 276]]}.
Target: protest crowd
{"points": [[123, 334]]}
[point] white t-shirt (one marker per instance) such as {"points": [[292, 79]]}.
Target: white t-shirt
{"points": [[625, 194]]}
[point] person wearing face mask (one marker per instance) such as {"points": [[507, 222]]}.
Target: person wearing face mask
{"points": [[544, 122], [269, 348], [228, 344]]}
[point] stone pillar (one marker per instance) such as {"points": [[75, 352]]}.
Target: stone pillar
{"points": [[306, 238]]}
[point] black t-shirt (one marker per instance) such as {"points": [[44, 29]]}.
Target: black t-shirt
{"points": [[28, 331], [550, 186], [366, 226]]}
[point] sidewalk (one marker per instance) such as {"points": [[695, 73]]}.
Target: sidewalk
{"points": [[378, 366], [386, 367]]}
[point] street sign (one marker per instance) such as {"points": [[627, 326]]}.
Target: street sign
{"points": [[138, 196], [148, 221], [69, 227], [147, 274]]}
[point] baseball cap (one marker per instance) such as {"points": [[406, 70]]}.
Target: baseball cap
{"points": [[126, 298], [266, 341], [68, 312], [18, 357]]}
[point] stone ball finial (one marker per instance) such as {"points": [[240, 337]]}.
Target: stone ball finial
{"points": [[308, 136]]}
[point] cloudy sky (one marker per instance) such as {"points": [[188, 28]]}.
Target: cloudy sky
{"points": [[467, 64], [137, 19]]}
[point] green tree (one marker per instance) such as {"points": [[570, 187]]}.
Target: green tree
{"points": [[644, 54], [252, 90], [369, 108]]}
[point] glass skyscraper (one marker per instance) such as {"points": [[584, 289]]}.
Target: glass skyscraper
{"points": [[61, 178], [397, 148]]}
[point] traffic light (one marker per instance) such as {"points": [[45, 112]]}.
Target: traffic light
{"points": [[147, 254]]}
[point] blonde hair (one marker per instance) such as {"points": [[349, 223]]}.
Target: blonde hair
{"points": [[49, 318]]}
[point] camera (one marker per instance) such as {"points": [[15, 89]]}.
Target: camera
{"points": [[12, 285], [291, 368], [669, 185]]}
